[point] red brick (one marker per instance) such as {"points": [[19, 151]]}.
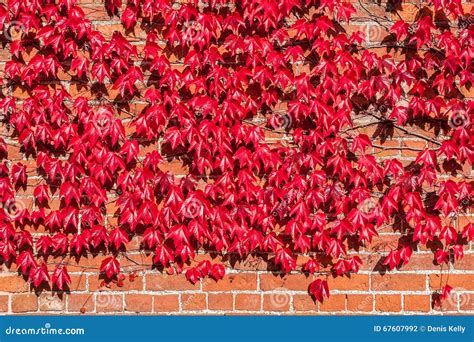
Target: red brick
{"points": [[417, 303], [375, 9], [359, 282], [251, 264], [3, 303], [360, 302], [108, 302], [448, 305], [294, 282], [135, 262], [304, 303], [85, 264], [78, 282], [51, 302], [126, 285], [414, 144], [138, 303], [13, 283], [408, 13], [277, 301], [336, 302], [193, 302], [166, 303], [398, 282], [95, 12], [247, 302], [175, 167], [232, 282], [14, 152], [164, 282], [457, 281], [24, 303], [77, 302], [389, 149], [466, 301], [388, 303], [220, 301], [420, 262]]}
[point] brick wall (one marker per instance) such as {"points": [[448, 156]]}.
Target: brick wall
{"points": [[250, 286]]}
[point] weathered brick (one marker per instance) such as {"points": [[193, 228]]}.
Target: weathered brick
{"points": [[166, 303], [277, 301], [4, 303], [418, 303], [164, 282], [388, 303], [51, 302], [336, 302], [304, 303], [220, 301], [108, 302], [248, 302], [24, 303], [13, 283], [358, 282], [457, 281], [138, 303], [240, 281], [193, 302], [80, 303], [398, 282], [294, 282], [360, 302]]}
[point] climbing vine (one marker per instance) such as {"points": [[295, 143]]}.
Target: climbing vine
{"points": [[263, 103]]}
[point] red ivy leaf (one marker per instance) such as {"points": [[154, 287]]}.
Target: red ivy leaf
{"points": [[217, 272], [110, 266], [285, 259], [393, 259], [319, 289], [38, 275], [60, 277], [118, 237], [193, 275], [25, 261]]}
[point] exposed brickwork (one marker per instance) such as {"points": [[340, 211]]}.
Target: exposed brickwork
{"points": [[250, 286]]}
